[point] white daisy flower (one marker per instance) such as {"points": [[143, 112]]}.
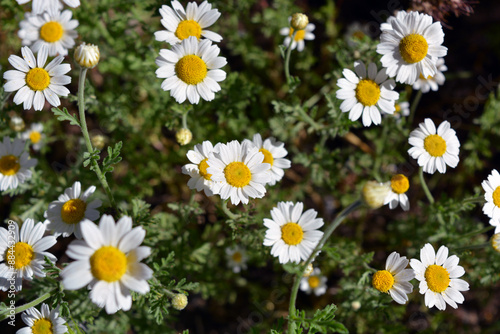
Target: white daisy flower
{"points": [[236, 258], [108, 261], [432, 82], [14, 163], [191, 69], [434, 149], [402, 109], [182, 24], [34, 82], [301, 36], [292, 234], [54, 29], [241, 171], [315, 282], [356, 33], [71, 209], [200, 178], [397, 194], [40, 6], [35, 135], [491, 208], [274, 153], [410, 45], [395, 278], [439, 277], [366, 93], [24, 252], [45, 322]]}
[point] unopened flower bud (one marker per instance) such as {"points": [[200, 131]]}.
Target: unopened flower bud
{"points": [[299, 21], [183, 136], [99, 141], [309, 270], [87, 55], [356, 305], [180, 301], [16, 123], [374, 193]]}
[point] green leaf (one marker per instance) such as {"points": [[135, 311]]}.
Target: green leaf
{"points": [[112, 158], [64, 115]]}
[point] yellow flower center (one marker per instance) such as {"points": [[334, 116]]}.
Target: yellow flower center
{"points": [[73, 211], [292, 234], [400, 184], [202, 167], [35, 136], [237, 257], [435, 145], [37, 79], [358, 35], [367, 92], [51, 31], [313, 281], [23, 254], [437, 278], [237, 174], [268, 157], [108, 264], [383, 280], [496, 196], [413, 48], [397, 109], [42, 326], [298, 36], [191, 69], [188, 28], [9, 165]]}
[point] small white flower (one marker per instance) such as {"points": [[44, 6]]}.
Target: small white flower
{"points": [[241, 171], [182, 24], [35, 135], [439, 277], [366, 93], [274, 153], [410, 45], [397, 194], [402, 110], [34, 82], [491, 208], [15, 163], [191, 70], [314, 283], [66, 215], [236, 258], [434, 149], [23, 251], [432, 82], [301, 36], [395, 278], [54, 29], [45, 322], [200, 178], [40, 6], [292, 234], [108, 261]]}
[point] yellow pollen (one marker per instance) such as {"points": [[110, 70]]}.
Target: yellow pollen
{"points": [[108, 264], [435, 145], [298, 36], [437, 278], [73, 211], [383, 280], [313, 281], [42, 326], [358, 35], [35, 136], [51, 31], [268, 157], [191, 69], [37, 79], [400, 184], [23, 254], [237, 257], [9, 165], [292, 234], [237, 174], [202, 167], [188, 28], [367, 92], [496, 196], [413, 48], [398, 108]]}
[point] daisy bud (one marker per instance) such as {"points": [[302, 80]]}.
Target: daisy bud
{"points": [[308, 270], [495, 242], [184, 136], [356, 305], [16, 123], [87, 55], [99, 141], [180, 301], [299, 21], [374, 193]]}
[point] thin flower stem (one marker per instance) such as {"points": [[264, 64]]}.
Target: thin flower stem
{"points": [[309, 119], [85, 132], [479, 199], [478, 246], [414, 105], [292, 329], [477, 232], [184, 119], [287, 58], [26, 306], [227, 211], [424, 186]]}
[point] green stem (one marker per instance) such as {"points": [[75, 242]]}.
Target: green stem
{"points": [[292, 329], [414, 105], [227, 211], [474, 233], [479, 199], [478, 246], [424, 186], [308, 119], [26, 306], [184, 119], [85, 132], [378, 156], [287, 58]]}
